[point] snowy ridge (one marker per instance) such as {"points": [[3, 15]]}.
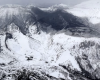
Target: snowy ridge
{"points": [[89, 9], [55, 7]]}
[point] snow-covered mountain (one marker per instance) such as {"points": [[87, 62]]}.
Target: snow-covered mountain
{"points": [[89, 9], [25, 16], [47, 45], [52, 54]]}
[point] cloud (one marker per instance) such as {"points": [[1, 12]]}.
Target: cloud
{"points": [[41, 2]]}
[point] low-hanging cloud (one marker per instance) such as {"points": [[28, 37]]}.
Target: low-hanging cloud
{"points": [[41, 2]]}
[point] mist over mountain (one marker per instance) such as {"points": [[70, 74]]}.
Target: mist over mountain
{"points": [[52, 43], [39, 3]]}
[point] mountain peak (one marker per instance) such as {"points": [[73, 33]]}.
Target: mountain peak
{"points": [[91, 4], [60, 6], [55, 7]]}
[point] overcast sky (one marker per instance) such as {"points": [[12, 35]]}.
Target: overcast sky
{"points": [[41, 2]]}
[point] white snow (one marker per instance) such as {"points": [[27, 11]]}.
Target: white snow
{"points": [[54, 49], [21, 46], [57, 74], [47, 50], [89, 9]]}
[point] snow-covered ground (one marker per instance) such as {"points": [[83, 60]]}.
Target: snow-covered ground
{"points": [[40, 50]]}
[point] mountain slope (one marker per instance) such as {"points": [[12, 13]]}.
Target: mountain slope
{"points": [[56, 20], [42, 45], [49, 54], [89, 9], [25, 16]]}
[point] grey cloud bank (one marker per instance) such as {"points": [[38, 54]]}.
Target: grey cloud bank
{"points": [[43, 3]]}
